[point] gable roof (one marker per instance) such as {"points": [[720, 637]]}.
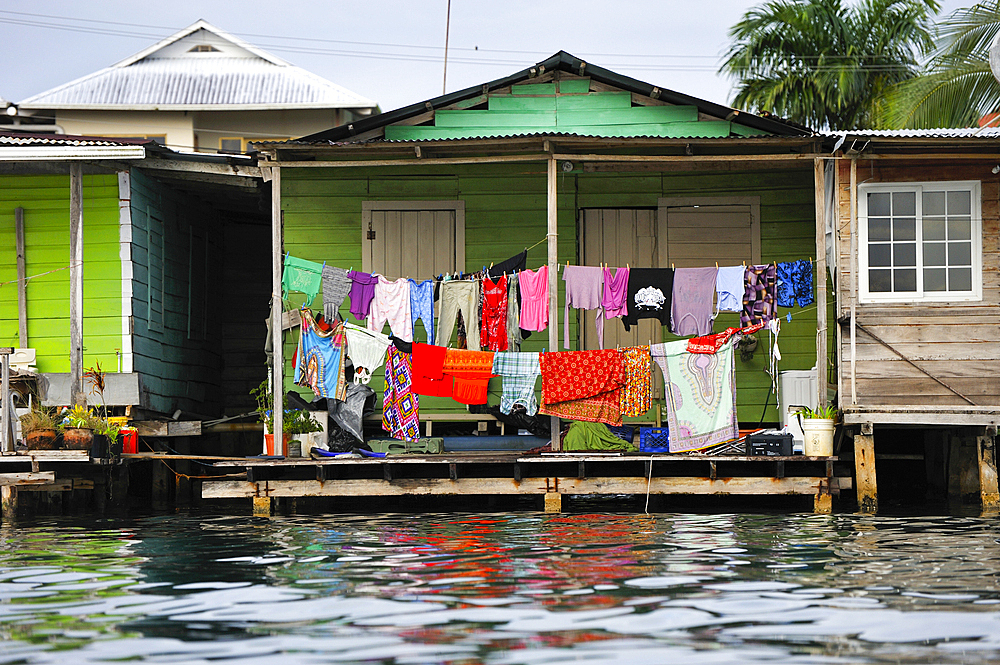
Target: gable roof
{"points": [[455, 115], [199, 68]]}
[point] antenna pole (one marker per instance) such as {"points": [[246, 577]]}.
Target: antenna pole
{"points": [[447, 30]]}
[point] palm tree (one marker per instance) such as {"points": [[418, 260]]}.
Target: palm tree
{"points": [[822, 64], [958, 87]]}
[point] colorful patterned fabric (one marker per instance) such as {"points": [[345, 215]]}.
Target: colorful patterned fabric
{"points": [[513, 314], [301, 275], [700, 395], [583, 385], [472, 371], [320, 358], [712, 343], [795, 283], [519, 372], [758, 295], [493, 335], [637, 391], [400, 405]]}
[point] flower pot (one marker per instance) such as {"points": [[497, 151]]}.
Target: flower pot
{"points": [[42, 439], [269, 443], [77, 438], [100, 447], [818, 435]]}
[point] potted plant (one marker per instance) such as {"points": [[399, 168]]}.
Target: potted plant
{"points": [[78, 428], [105, 442], [817, 430], [40, 429], [295, 421]]}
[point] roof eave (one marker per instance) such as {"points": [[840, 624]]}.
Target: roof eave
{"points": [[58, 153]]}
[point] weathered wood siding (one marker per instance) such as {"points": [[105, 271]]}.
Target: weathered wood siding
{"points": [[45, 199], [959, 343], [506, 212], [176, 250]]}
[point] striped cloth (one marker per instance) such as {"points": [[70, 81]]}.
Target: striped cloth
{"points": [[519, 372]]}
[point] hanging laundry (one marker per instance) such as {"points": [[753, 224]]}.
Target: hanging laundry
{"points": [[583, 385], [534, 298], [712, 343], [649, 294], [795, 283], [691, 309], [515, 263], [493, 333], [700, 395], [614, 298], [392, 304], [366, 349], [459, 296], [729, 286], [519, 372], [637, 391], [428, 371], [320, 358], [514, 338], [301, 275], [336, 286], [362, 292], [758, 296], [400, 405], [422, 307], [472, 371], [584, 289]]}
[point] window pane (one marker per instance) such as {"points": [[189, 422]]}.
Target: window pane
{"points": [[933, 203], [959, 203], [906, 280], [878, 204], [879, 229], [904, 228], [904, 204], [934, 254], [933, 229], [880, 256], [880, 281], [960, 229], [904, 254], [960, 279], [934, 279], [960, 253]]}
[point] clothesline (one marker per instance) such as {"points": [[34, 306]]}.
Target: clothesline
{"points": [[41, 274]]}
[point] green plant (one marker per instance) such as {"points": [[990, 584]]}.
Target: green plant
{"points": [[39, 418], [78, 417], [298, 421], [295, 421], [829, 412], [108, 429]]}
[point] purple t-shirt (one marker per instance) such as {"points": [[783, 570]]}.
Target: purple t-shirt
{"points": [[362, 293]]}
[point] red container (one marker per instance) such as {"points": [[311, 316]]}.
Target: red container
{"points": [[130, 441]]}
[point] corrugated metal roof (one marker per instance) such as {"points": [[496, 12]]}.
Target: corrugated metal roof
{"points": [[15, 138], [292, 142], [15, 147], [941, 133]]}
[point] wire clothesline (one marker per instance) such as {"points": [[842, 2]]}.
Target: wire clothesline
{"points": [[41, 274]]}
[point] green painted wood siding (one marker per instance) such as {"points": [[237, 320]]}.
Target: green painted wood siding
{"points": [[506, 212], [45, 199], [174, 295]]}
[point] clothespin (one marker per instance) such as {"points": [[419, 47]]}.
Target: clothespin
{"points": [[672, 267], [716, 265], [626, 267]]}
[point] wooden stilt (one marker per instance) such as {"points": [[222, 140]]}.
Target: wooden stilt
{"points": [[864, 468], [8, 503], [988, 490], [263, 506], [553, 502], [162, 479], [823, 504]]}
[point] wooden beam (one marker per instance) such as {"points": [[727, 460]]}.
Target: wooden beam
{"points": [[553, 502], [783, 157], [8, 503], [431, 161], [22, 284], [278, 366], [553, 263], [156, 428], [988, 490], [28, 478], [864, 468], [854, 279], [64, 485], [819, 177], [263, 506], [823, 504], [230, 489], [76, 392]]}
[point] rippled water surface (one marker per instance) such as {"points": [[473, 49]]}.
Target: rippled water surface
{"points": [[501, 588]]}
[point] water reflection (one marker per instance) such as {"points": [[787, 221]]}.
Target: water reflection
{"points": [[505, 588]]}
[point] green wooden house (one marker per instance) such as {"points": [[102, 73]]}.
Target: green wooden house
{"points": [[579, 165], [124, 254]]}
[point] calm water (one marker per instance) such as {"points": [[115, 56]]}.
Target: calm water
{"points": [[502, 588]]}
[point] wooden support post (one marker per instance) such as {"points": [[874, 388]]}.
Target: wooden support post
{"points": [[963, 468], [263, 506], [22, 284], [7, 428], [8, 504], [553, 502], [854, 281], [988, 490], [864, 468], [161, 479], [823, 504], [182, 468], [76, 392], [553, 263], [277, 372], [819, 175]]}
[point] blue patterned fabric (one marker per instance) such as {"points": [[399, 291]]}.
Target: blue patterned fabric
{"points": [[795, 283], [422, 307]]}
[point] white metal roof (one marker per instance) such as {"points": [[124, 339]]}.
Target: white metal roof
{"points": [[228, 74], [940, 133], [32, 147]]}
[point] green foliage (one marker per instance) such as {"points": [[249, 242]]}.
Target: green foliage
{"points": [[829, 412], [39, 418], [295, 421], [823, 63], [84, 418], [957, 87]]}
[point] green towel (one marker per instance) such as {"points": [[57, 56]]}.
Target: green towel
{"points": [[594, 436]]}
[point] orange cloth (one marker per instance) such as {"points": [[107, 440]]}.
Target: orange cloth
{"points": [[472, 371], [583, 385]]}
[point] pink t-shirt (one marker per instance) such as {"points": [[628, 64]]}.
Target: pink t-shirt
{"points": [[534, 287]]}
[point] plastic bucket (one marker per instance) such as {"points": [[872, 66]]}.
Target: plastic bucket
{"points": [[818, 437], [130, 440], [269, 443]]}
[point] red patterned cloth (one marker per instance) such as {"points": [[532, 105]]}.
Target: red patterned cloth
{"points": [[493, 334], [712, 343], [583, 385], [472, 371]]}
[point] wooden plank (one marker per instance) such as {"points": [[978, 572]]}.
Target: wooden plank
{"points": [[478, 119], [28, 478], [228, 489], [22, 284], [65, 485], [574, 86], [278, 366], [533, 89], [822, 354], [552, 234], [76, 283], [157, 428], [864, 471]]}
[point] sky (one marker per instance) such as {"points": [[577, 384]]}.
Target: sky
{"points": [[388, 51]]}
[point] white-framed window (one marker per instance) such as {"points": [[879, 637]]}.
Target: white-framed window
{"points": [[920, 241]]}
